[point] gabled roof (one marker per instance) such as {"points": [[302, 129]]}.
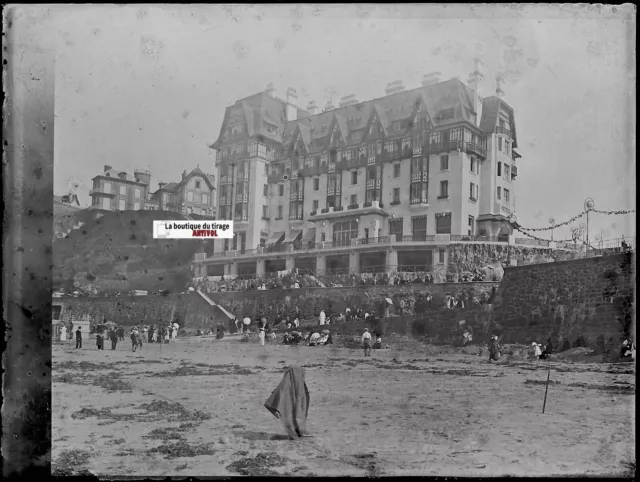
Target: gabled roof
{"points": [[490, 109]]}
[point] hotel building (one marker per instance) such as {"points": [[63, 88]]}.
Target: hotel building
{"points": [[366, 185]]}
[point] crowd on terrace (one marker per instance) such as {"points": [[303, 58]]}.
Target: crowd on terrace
{"points": [[297, 279]]}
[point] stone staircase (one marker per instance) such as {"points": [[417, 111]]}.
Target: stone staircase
{"points": [[212, 303]]}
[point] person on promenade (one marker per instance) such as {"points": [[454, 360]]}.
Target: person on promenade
{"points": [[78, 338]]}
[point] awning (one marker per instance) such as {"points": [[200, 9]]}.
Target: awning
{"points": [[276, 238], [309, 235], [292, 235]]}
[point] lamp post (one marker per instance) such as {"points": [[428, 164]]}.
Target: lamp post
{"points": [[589, 204], [552, 223]]}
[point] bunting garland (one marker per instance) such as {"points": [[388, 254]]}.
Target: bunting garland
{"points": [[576, 217]]}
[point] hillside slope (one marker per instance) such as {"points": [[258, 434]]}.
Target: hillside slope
{"points": [[117, 252]]}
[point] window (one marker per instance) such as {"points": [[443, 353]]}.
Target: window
{"points": [[263, 242], [354, 177], [419, 228], [205, 199], [123, 190], [441, 255], [444, 162], [190, 196], [499, 169], [280, 211], [280, 189], [106, 203], [316, 205], [316, 184], [472, 224], [473, 192], [506, 195], [499, 193], [354, 199], [121, 205], [265, 190], [443, 224], [226, 244], [472, 165], [136, 206], [265, 212], [507, 172], [107, 187], [500, 144], [396, 170], [197, 184], [396, 195], [137, 193], [396, 227], [444, 189]]}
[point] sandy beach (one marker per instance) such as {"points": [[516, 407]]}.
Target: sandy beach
{"points": [[195, 407]]}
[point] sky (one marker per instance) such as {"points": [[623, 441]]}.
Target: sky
{"points": [[145, 87]]}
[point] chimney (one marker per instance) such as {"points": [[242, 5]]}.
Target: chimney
{"points": [[474, 81], [107, 168], [122, 175], [329, 105], [184, 174], [499, 91], [394, 87], [292, 104], [431, 78], [348, 100], [271, 91], [161, 185], [312, 108]]}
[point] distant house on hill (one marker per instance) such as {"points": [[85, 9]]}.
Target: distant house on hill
{"points": [[194, 194], [115, 190]]}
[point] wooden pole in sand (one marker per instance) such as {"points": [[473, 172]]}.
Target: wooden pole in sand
{"points": [[546, 389]]}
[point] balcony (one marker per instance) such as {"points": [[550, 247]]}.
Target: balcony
{"points": [[441, 147], [373, 184], [226, 180], [421, 201], [223, 201], [475, 238], [333, 191], [99, 191], [373, 241], [503, 131], [242, 198], [514, 172], [353, 206], [419, 177], [296, 218], [416, 238], [242, 177], [354, 163], [477, 149], [296, 196], [241, 219]]}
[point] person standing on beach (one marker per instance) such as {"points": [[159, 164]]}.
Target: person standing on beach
{"points": [[113, 336], [366, 342], [78, 338], [262, 336]]}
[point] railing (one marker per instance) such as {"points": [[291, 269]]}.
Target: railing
{"points": [[353, 206], [226, 180], [419, 200], [371, 241], [514, 172], [478, 149], [241, 219], [296, 196], [242, 176], [446, 146], [503, 130], [296, 217], [242, 198], [416, 238], [479, 238], [532, 242], [373, 184], [99, 190]]}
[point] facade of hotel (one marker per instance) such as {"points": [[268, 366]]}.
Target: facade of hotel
{"points": [[120, 191], [383, 183]]}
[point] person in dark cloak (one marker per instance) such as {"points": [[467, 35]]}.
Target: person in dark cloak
{"points": [[219, 332], [100, 337], [121, 333], [113, 336], [289, 402], [494, 349]]}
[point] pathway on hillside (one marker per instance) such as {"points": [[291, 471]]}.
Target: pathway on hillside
{"points": [[212, 303]]}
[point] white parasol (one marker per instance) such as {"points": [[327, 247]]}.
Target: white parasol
{"points": [[461, 322], [176, 326], [246, 321], [388, 300]]}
